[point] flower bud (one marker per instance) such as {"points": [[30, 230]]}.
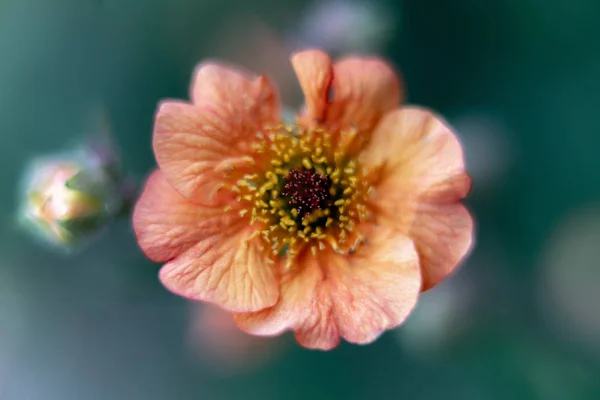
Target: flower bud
{"points": [[68, 200]]}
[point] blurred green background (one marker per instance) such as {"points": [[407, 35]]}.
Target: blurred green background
{"points": [[520, 81]]}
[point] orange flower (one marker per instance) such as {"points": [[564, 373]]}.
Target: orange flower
{"points": [[330, 226]]}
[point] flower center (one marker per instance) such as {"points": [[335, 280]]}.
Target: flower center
{"points": [[306, 192]]}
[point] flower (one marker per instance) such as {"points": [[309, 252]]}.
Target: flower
{"points": [[342, 25], [65, 202], [330, 226], [68, 199]]}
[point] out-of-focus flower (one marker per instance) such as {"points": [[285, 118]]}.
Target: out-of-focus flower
{"points": [[330, 226], [568, 278], [69, 198], [488, 150], [446, 318], [438, 319], [216, 338], [344, 25], [252, 43], [337, 26]]}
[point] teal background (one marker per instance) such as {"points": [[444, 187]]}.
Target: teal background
{"points": [[519, 321]]}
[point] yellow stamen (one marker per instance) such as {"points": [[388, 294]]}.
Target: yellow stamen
{"points": [[290, 229]]}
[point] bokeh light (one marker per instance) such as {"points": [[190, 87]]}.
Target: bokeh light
{"points": [[569, 276]]}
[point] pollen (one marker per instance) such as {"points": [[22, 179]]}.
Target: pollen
{"points": [[305, 191]]}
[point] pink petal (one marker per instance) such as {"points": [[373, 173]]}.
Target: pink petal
{"points": [[250, 97], [296, 294], [422, 177], [224, 268], [209, 257], [355, 297], [364, 89], [443, 235], [196, 146], [166, 224], [315, 72]]}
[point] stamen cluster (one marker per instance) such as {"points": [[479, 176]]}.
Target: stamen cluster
{"points": [[310, 192]]}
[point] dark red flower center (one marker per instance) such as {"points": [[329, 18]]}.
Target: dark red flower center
{"points": [[306, 191]]}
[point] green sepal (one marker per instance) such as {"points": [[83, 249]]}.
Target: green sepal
{"points": [[84, 225]]}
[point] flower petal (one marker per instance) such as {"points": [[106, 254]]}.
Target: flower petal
{"points": [[209, 258], [355, 93], [224, 268], [356, 297], [364, 90], [315, 72], [421, 179], [252, 97], [166, 224], [195, 145], [296, 295], [443, 235]]}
